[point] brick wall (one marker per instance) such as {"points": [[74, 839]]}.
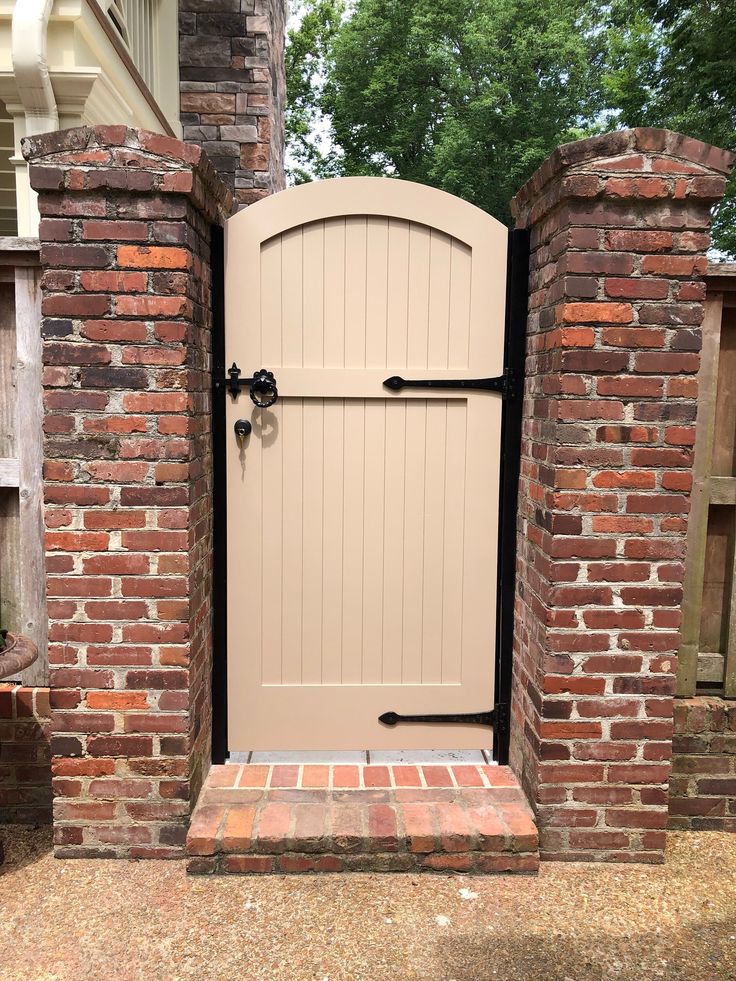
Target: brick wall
{"points": [[703, 779], [25, 767], [619, 230], [231, 69], [125, 237]]}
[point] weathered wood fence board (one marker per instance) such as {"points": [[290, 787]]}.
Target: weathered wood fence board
{"points": [[708, 651], [22, 576]]}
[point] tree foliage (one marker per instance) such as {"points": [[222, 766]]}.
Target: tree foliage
{"points": [[472, 95], [308, 52], [670, 63]]}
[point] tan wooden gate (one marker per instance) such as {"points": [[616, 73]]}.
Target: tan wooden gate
{"points": [[362, 522]]}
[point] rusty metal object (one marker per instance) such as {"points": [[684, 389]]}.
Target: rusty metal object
{"points": [[19, 654]]}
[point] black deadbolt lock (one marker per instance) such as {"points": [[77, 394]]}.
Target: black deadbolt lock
{"points": [[242, 429]]}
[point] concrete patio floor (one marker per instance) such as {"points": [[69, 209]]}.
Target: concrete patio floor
{"points": [[80, 919]]}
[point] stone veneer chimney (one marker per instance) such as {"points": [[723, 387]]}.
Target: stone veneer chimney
{"points": [[231, 63]]}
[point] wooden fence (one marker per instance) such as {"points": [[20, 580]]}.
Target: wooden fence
{"points": [[708, 652], [22, 576]]}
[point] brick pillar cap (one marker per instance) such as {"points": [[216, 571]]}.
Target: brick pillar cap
{"points": [[171, 166], [583, 155]]}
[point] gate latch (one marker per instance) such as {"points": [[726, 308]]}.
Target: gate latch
{"points": [[261, 386], [505, 383]]}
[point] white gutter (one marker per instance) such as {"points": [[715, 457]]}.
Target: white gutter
{"points": [[35, 96], [28, 51]]}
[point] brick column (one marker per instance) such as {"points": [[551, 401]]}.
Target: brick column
{"points": [[125, 239], [619, 231], [233, 89]]}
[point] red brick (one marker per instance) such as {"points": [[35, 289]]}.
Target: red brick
{"points": [[419, 827], [115, 230], [345, 776], [406, 776], [674, 265], [571, 773], [110, 281], [237, 830], [382, 827], [437, 776], [635, 289], [247, 863], [639, 241], [637, 187], [117, 700], [613, 664], [633, 337], [599, 313], [153, 257], [285, 776], [376, 776], [273, 827], [314, 776]]}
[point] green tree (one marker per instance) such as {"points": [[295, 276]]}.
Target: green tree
{"points": [[469, 96], [670, 63], [309, 42], [472, 95]]}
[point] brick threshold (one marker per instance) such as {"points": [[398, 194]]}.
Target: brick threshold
{"points": [[343, 818]]}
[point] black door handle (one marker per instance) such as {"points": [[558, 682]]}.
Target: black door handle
{"points": [[261, 387]]}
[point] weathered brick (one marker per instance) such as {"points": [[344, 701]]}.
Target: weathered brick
{"points": [[158, 616]]}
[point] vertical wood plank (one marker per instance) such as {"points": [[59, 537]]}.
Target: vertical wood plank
{"points": [[377, 259], [30, 458], [353, 535], [687, 671], [434, 542], [440, 271], [332, 548], [355, 290], [312, 532], [11, 614], [272, 547], [292, 442], [373, 541], [393, 537], [313, 249], [398, 294], [413, 541], [334, 293], [459, 302], [454, 545], [724, 437], [292, 324], [418, 300], [8, 357], [729, 675], [313, 256], [271, 323]]}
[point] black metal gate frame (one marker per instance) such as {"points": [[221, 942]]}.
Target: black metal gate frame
{"points": [[514, 360]]}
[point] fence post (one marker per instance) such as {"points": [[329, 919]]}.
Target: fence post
{"points": [[125, 248], [619, 231]]}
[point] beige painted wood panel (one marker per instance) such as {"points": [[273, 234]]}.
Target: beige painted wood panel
{"points": [[362, 524]]}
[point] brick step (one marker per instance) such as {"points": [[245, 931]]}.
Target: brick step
{"points": [[313, 818]]}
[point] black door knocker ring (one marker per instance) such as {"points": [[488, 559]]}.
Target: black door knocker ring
{"points": [[261, 387]]}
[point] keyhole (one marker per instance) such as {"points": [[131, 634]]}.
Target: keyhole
{"points": [[242, 430]]}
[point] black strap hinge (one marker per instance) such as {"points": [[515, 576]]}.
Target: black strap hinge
{"points": [[496, 718], [504, 384]]}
